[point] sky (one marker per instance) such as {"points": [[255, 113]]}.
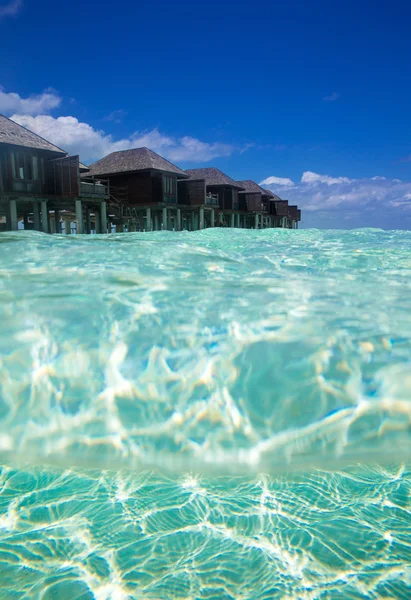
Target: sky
{"points": [[310, 98]]}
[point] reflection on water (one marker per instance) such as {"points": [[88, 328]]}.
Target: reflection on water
{"points": [[224, 354]]}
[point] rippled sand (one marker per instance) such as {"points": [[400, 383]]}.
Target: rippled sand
{"points": [[128, 361]]}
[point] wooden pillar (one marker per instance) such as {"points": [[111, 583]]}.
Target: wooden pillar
{"points": [[103, 217], [79, 217], [36, 216], [26, 221], [148, 219], [13, 216], [97, 221], [232, 220], [165, 224], [52, 223], [44, 217], [201, 225], [256, 220], [88, 220], [178, 217], [67, 223], [156, 222], [57, 224], [212, 217]]}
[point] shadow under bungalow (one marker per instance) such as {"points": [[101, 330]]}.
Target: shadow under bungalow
{"points": [[43, 188]]}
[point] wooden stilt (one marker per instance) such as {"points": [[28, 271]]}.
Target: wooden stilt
{"points": [[13, 215], [57, 225], [44, 217], [67, 225], [103, 217], [79, 217], [148, 219]]}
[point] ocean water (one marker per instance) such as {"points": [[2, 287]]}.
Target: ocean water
{"points": [[217, 415]]}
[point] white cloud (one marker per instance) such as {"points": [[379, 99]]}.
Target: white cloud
{"points": [[277, 181], [328, 201], [332, 97], [310, 177], [11, 8], [81, 138], [32, 105], [116, 116]]}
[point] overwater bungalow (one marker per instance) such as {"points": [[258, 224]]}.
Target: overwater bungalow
{"points": [[255, 199], [40, 186], [43, 188], [224, 190], [143, 187], [294, 216]]}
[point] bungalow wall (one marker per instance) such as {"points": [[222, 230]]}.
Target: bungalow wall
{"points": [[279, 208], [228, 196], [253, 202], [294, 213], [191, 192], [35, 173], [145, 188]]}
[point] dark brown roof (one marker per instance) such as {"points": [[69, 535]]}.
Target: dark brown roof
{"points": [[251, 187], [17, 135], [271, 196], [137, 159], [213, 176]]}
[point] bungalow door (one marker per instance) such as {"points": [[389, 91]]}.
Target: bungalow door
{"points": [[66, 176]]}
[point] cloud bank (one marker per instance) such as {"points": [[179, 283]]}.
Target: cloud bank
{"points": [[77, 137], [332, 97], [35, 104], [341, 202], [10, 9], [81, 138]]}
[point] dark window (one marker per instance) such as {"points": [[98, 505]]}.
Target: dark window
{"points": [[25, 166], [235, 200], [169, 186]]}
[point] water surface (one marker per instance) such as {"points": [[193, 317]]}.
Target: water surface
{"points": [[215, 414]]}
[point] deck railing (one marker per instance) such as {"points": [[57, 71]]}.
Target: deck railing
{"points": [[212, 200], [94, 189]]}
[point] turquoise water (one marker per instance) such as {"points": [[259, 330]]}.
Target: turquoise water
{"points": [[216, 414]]}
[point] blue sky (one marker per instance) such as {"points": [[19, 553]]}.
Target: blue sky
{"points": [[312, 97]]}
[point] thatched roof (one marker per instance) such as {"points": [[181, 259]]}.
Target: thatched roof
{"points": [[83, 168], [271, 196], [213, 176], [251, 187], [17, 135], [129, 161]]}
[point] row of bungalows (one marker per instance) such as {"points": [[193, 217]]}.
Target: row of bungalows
{"points": [[43, 188]]}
